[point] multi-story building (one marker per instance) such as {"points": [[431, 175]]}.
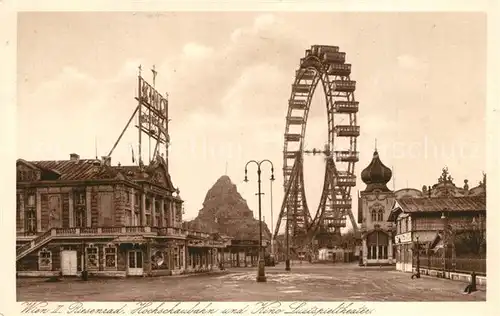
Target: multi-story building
{"points": [[374, 206], [86, 215], [442, 208]]}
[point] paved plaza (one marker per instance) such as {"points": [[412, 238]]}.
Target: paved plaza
{"points": [[306, 282]]}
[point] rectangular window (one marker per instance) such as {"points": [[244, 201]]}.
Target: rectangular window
{"points": [[176, 258], [18, 212], [131, 259], [181, 258], [31, 200], [137, 201], [128, 218], [137, 219], [148, 220], [80, 198], [30, 221], [44, 260], [92, 258], [110, 257], [80, 217], [139, 259]]}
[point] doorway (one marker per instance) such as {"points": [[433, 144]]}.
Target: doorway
{"points": [[135, 262], [68, 262]]}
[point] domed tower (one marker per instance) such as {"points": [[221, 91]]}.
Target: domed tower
{"points": [[376, 175], [375, 204]]}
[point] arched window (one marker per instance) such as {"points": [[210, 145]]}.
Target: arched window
{"points": [[380, 215], [110, 256], [377, 212], [157, 260], [92, 257], [44, 260]]}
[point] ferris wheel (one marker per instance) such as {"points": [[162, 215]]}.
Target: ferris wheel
{"points": [[322, 66]]}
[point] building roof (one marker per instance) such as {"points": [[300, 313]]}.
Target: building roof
{"points": [[376, 175], [94, 169], [438, 204], [84, 169]]}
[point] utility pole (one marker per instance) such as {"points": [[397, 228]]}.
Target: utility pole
{"points": [[272, 221]]}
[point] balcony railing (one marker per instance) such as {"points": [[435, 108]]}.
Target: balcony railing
{"points": [[113, 231]]}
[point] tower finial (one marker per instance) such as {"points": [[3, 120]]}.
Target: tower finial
{"points": [[375, 144], [140, 70]]}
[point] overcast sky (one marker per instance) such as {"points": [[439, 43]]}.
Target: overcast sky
{"points": [[421, 84]]}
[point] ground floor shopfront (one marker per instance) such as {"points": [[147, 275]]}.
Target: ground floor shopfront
{"points": [[120, 256], [240, 253]]}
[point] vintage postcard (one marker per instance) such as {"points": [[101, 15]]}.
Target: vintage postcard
{"points": [[249, 162]]}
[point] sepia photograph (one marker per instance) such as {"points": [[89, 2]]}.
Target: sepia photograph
{"points": [[244, 156]]}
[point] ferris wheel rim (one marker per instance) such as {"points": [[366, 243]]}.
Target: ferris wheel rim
{"points": [[331, 128]]}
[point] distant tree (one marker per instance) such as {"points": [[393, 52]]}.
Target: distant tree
{"points": [[470, 238], [348, 239]]}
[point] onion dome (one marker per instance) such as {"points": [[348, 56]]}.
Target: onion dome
{"points": [[376, 175]]}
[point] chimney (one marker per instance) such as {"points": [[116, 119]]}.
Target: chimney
{"points": [[106, 160], [74, 157]]}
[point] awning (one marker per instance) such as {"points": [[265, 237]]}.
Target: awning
{"points": [[437, 243]]}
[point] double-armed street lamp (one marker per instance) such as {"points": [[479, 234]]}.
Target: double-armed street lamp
{"points": [[261, 274]]}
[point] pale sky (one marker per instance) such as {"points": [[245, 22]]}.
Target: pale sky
{"points": [[421, 84]]}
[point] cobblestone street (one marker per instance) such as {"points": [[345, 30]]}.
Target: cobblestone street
{"points": [[342, 282]]}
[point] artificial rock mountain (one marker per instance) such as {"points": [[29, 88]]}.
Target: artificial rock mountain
{"points": [[226, 212]]}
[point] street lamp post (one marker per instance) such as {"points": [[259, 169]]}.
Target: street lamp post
{"points": [[445, 243], [261, 273], [417, 273], [472, 287], [272, 222]]}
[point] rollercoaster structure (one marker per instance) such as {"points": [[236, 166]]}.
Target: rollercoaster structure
{"points": [[322, 66]]}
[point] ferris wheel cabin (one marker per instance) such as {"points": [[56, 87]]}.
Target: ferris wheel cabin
{"points": [[346, 106]]}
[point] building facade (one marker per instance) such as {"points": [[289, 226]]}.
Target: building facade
{"points": [[442, 210], [374, 207], [86, 215]]}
